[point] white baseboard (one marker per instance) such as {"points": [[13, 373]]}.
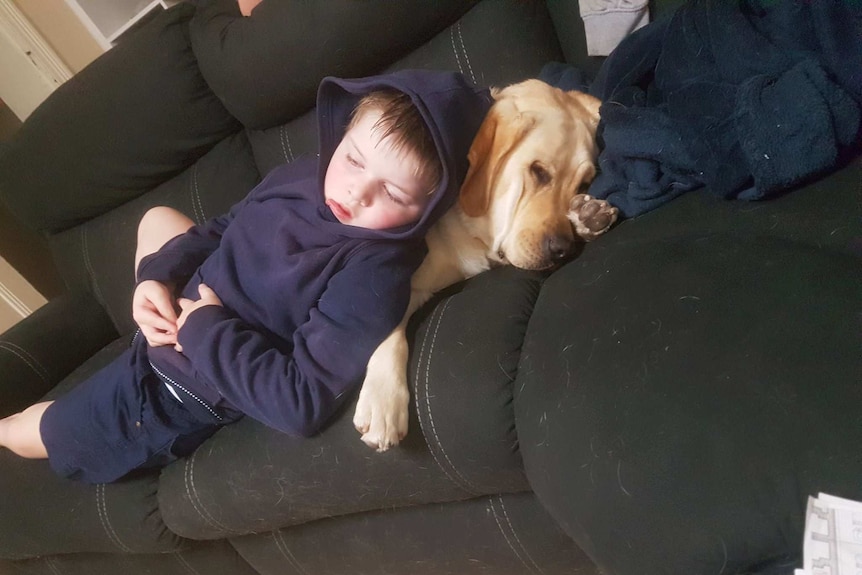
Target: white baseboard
{"points": [[18, 298]]}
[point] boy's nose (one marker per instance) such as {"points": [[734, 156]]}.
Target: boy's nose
{"points": [[361, 194]]}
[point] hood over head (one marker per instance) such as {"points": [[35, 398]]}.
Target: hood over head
{"points": [[452, 107]]}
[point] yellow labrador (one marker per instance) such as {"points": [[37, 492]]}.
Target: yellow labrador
{"points": [[522, 203]]}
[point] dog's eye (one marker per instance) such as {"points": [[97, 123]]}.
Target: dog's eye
{"points": [[540, 174]]}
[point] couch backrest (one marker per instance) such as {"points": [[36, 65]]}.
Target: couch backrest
{"points": [[146, 125], [266, 68], [136, 116], [141, 125]]}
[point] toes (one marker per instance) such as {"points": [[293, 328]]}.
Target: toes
{"points": [[591, 209], [361, 427], [361, 420], [591, 217], [598, 221], [579, 200], [598, 215], [377, 442], [372, 442]]}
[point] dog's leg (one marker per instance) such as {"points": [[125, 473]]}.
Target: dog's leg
{"points": [[591, 217], [381, 412]]}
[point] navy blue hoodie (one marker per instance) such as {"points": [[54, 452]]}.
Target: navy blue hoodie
{"points": [[306, 298]]}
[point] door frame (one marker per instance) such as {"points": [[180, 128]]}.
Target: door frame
{"points": [[30, 68]]}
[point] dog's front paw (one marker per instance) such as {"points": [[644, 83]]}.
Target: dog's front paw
{"points": [[591, 217], [381, 414]]}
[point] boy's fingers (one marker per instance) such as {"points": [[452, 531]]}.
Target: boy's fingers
{"points": [[165, 307], [154, 320], [157, 341], [156, 338], [208, 294], [160, 300]]}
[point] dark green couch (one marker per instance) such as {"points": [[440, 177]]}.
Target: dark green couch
{"points": [[664, 403]]}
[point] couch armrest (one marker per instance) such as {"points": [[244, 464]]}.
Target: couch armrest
{"points": [[43, 348], [461, 444], [689, 393]]}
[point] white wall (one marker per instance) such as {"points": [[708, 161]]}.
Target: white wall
{"points": [[30, 69], [22, 85], [62, 30]]}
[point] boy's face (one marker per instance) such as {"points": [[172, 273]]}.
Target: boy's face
{"points": [[369, 184]]}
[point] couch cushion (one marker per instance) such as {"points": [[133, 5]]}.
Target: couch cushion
{"points": [[699, 371], [266, 67], [496, 534], [39, 351], [462, 442], [136, 116], [195, 558], [494, 44], [43, 514], [98, 256]]}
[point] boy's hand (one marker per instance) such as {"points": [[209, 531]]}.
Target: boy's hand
{"points": [[208, 297], [153, 311]]}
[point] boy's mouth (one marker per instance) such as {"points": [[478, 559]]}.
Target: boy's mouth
{"points": [[341, 213]]}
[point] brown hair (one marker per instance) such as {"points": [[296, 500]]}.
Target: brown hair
{"points": [[401, 121]]}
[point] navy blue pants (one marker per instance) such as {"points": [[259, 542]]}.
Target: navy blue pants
{"points": [[121, 419]]}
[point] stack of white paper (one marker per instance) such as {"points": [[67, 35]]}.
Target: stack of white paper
{"points": [[833, 537]]}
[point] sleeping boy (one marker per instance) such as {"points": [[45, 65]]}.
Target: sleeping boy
{"points": [[272, 310]]}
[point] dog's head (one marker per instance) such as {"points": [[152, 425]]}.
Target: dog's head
{"points": [[535, 150]]}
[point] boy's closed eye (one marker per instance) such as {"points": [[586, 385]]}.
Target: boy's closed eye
{"points": [[391, 193], [353, 161], [394, 196]]}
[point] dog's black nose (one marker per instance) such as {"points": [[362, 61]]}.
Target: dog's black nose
{"points": [[558, 247]]}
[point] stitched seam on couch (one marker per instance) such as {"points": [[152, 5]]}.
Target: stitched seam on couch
{"points": [[281, 544], [195, 500], [27, 358], [286, 149], [458, 479], [51, 564], [532, 566], [85, 248], [452, 30], [178, 556], [197, 205], [102, 508]]}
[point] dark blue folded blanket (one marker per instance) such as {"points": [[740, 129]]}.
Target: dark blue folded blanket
{"points": [[746, 97]]}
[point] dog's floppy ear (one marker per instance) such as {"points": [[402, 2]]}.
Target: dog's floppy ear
{"points": [[476, 189], [588, 103], [498, 135]]}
